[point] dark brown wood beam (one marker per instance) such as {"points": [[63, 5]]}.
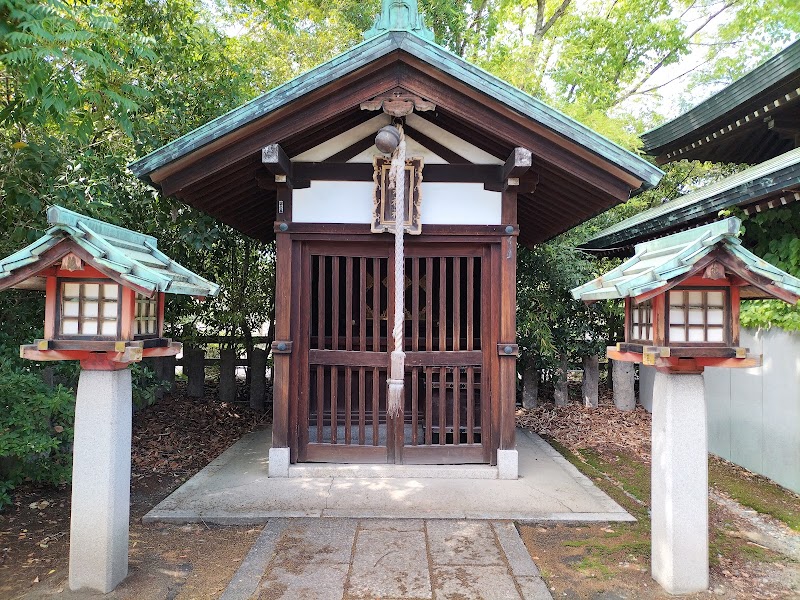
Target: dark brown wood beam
{"points": [[327, 171], [440, 150]]}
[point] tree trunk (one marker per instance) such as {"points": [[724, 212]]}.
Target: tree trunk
{"points": [[624, 398], [591, 381], [561, 389], [194, 367], [227, 375], [530, 387], [258, 379]]}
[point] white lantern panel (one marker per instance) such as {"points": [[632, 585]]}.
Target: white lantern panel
{"points": [[71, 309], [72, 290], [110, 309], [715, 335], [90, 309], [677, 334], [110, 291], [110, 327], [676, 316], [69, 326], [715, 316], [695, 298], [91, 290], [695, 316], [676, 298], [89, 328], [696, 335], [715, 298]]}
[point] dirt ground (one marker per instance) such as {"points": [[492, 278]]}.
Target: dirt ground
{"points": [[177, 437], [754, 532], [171, 442]]}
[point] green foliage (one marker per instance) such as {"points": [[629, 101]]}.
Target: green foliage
{"points": [[774, 235], [36, 428]]}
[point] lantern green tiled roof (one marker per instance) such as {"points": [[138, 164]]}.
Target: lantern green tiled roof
{"points": [[131, 258], [659, 262], [393, 32]]}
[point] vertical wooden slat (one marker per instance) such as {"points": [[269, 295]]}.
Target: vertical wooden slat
{"points": [[376, 396], [442, 304], [348, 304], [508, 330], [334, 403], [415, 304], [362, 304], [414, 404], [429, 405], [442, 405], [456, 404], [321, 304], [471, 284], [376, 305], [470, 405], [336, 293], [429, 304], [320, 401], [283, 324], [348, 404], [456, 303], [362, 409]]}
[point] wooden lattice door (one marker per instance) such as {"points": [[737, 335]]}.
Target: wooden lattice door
{"points": [[348, 306]]}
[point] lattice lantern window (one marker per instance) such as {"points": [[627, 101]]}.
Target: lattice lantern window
{"points": [[146, 316], [383, 217], [89, 308], [641, 322], [698, 316]]}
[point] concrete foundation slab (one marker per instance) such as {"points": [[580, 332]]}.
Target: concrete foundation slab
{"points": [[235, 489]]}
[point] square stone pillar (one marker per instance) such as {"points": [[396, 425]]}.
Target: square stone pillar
{"points": [[679, 484], [101, 481]]}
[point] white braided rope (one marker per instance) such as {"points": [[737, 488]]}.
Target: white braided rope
{"points": [[397, 180]]}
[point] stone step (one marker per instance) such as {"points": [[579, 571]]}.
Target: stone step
{"points": [[319, 470]]}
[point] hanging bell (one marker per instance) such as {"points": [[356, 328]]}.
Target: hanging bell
{"points": [[388, 139]]}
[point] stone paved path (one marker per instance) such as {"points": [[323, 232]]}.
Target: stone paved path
{"points": [[335, 559]]}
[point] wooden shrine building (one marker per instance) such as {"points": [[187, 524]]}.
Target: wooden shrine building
{"points": [[487, 166]]}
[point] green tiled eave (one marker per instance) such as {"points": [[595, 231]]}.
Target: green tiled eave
{"points": [[783, 65], [770, 177], [132, 256], [429, 52], [660, 261]]}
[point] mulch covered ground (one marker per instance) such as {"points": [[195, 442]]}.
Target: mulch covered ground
{"points": [[172, 440]]}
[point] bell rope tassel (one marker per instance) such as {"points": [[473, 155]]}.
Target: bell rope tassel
{"points": [[394, 405]]}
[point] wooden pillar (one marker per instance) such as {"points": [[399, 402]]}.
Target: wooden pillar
{"points": [[507, 349], [194, 367], [283, 332], [227, 375], [258, 378]]}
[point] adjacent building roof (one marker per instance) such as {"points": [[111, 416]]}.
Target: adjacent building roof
{"points": [[128, 257], [217, 167], [773, 183], [661, 264], [751, 120]]}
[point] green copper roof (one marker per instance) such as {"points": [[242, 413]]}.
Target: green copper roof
{"points": [[411, 40], [399, 15], [769, 178], [660, 261], [783, 66], [133, 257]]}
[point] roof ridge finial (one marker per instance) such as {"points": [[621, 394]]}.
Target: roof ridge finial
{"points": [[400, 15]]}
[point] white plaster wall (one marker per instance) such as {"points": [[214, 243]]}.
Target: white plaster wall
{"points": [[754, 414], [351, 202]]}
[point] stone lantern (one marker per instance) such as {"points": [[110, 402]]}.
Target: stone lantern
{"points": [[104, 290], [682, 295]]}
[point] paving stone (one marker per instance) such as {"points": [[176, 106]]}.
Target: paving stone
{"points": [[316, 541], [392, 524], [474, 583], [519, 559], [309, 581], [534, 588], [463, 543], [389, 564]]}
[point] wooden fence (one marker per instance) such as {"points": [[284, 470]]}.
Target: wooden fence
{"points": [[194, 363]]}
